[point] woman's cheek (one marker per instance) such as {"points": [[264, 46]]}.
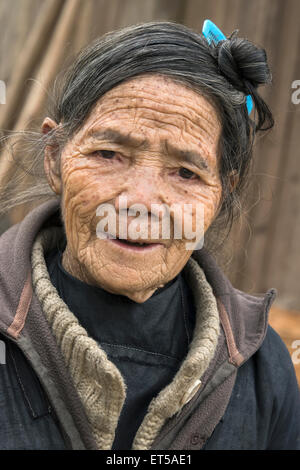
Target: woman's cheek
{"points": [[209, 201], [83, 193]]}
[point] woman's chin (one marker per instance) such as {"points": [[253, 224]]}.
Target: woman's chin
{"points": [[127, 282], [134, 290]]}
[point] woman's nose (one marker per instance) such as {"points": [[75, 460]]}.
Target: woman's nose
{"points": [[145, 188]]}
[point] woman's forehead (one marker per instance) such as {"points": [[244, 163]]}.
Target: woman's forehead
{"points": [[152, 106], [158, 93]]}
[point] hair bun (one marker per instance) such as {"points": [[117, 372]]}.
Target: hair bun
{"points": [[241, 62]]}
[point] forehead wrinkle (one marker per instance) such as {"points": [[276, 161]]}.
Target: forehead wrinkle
{"points": [[203, 117], [148, 95], [186, 155]]}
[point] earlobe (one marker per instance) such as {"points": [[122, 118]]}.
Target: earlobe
{"points": [[51, 158]]}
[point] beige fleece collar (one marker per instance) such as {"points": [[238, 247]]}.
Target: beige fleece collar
{"points": [[98, 381]]}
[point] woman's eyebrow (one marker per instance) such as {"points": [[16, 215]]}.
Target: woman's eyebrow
{"points": [[118, 137], [187, 155], [121, 138]]}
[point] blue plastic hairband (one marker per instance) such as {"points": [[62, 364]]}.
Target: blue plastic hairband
{"points": [[212, 33]]}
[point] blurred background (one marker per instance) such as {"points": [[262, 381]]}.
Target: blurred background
{"points": [[38, 40]]}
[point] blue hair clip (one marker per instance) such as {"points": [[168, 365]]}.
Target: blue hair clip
{"points": [[213, 34]]}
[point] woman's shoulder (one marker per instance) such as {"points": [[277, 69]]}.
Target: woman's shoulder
{"points": [[273, 374], [276, 357]]}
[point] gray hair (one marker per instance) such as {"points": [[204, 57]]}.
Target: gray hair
{"points": [[224, 73]]}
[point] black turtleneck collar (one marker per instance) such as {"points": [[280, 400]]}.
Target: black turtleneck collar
{"points": [[146, 341], [162, 324]]}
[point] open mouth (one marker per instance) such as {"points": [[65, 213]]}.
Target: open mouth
{"points": [[134, 245]]}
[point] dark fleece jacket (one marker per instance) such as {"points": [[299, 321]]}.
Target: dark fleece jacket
{"points": [[248, 399]]}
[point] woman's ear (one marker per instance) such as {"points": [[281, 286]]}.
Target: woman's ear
{"points": [[51, 158]]}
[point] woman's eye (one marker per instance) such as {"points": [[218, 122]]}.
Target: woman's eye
{"points": [[107, 154], [185, 173]]}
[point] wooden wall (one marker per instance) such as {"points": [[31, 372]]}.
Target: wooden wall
{"points": [[38, 35]]}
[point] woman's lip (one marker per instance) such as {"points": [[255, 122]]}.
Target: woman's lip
{"points": [[126, 246]]}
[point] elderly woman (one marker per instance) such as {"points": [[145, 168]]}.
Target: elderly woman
{"points": [[114, 341]]}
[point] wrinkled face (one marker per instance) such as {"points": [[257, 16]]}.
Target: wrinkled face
{"points": [[147, 141]]}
